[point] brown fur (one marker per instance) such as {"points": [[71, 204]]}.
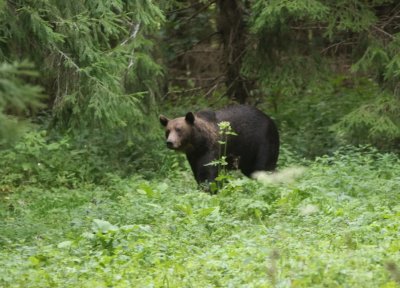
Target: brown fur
{"points": [[208, 130], [179, 132], [254, 148]]}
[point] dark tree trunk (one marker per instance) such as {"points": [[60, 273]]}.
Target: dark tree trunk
{"points": [[232, 28]]}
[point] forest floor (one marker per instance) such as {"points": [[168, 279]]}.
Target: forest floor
{"points": [[337, 225]]}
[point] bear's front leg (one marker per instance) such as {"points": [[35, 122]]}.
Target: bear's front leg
{"points": [[203, 173]]}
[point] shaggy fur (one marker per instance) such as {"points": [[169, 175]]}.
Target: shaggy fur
{"points": [[255, 148]]}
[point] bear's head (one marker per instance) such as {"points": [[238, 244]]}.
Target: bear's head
{"points": [[178, 131]]}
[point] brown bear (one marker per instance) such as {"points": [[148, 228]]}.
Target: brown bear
{"points": [[254, 148]]}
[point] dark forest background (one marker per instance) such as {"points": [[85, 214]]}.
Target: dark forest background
{"points": [[92, 76]]}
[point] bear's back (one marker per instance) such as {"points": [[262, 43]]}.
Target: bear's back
{"points": [[257, 136], [247, 121]]}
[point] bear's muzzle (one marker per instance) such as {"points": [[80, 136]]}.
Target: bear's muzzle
{"points": [[170, 145]]}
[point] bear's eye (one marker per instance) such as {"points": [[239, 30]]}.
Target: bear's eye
{"points": [[167, 133], [179, 130]]}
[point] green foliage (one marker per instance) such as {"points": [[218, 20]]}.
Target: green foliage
{"points": [[357, 16], [37, 161], [303, 46], [225, 132], [93, 57], [335, 226], [49, 160], [106, 206], [274, 14], [95, 60], [377, 122], [306, 122], [18, 99]]}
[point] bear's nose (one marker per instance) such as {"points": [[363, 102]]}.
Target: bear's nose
{"points": [[170, 144]]}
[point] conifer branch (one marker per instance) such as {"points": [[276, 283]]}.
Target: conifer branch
{"points": [[383, 32], [68, 59], [134, 30], [337, 45], [200, 10]]}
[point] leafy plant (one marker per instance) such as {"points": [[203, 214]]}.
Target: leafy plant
{"points": [[225, 131], [341, 215], [38, 159]]}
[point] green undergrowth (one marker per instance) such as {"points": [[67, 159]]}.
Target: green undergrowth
{"points": [[337, 225]]}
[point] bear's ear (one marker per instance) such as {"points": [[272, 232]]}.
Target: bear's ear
{"points": [[189, 118], [163, 120]]}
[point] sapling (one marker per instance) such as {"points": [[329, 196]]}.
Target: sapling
{"points": [[225, 130]]}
